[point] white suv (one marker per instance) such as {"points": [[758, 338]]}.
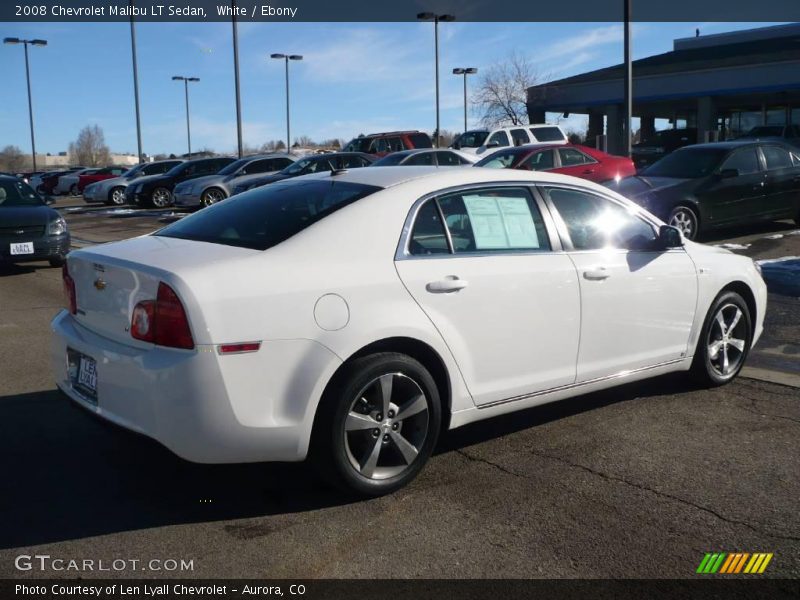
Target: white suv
{"points": [[481, 141]]}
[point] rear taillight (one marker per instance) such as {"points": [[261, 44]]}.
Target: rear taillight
{"points": [[69, 290], [162, 321]]}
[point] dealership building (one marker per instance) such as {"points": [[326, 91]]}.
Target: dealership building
{"points": [[722, 84]]}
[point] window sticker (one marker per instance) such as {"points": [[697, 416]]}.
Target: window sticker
{"points": [[501, 223]]}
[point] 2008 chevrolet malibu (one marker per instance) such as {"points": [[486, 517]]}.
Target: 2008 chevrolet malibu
{"points": [[351, 316]]}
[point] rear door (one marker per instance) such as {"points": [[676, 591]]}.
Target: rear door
{"points": [[486, 270], [579, 164], [782, 196]]}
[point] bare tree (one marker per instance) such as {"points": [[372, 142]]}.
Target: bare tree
{"points": [[90, 148], [304, 141], [13, 160], [502, 91]]}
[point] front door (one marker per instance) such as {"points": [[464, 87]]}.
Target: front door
{"points": [[736, 198], [782, 198], [637, 303], [506, 305]]}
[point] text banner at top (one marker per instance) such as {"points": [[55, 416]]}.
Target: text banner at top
{"points": [[397, 10]]}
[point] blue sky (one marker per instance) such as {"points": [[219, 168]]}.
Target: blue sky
{"points": [[355, 78]]}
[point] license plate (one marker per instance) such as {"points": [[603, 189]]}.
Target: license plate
{"points": [[87, 374], [22, 248]]}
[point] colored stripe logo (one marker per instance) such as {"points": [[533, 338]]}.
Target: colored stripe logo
{"points": [[733, 563]]}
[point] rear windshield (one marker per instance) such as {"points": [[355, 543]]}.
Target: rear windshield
{"points": [[266, 216], [547, 134], [17, 193]]}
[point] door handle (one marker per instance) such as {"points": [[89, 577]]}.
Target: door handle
{"points": [[451, 283], [588, 171], [596, 274]]}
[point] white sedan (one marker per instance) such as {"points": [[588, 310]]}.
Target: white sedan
{"points": [[351, 316]]}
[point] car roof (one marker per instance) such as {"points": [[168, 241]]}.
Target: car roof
{"points": [[729, 145]]}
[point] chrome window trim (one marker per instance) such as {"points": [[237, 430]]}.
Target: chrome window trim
{"points": [[592, 159], [402, 252]]}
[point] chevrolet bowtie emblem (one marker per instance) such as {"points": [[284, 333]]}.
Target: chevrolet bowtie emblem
{"points": [[99, 284]]}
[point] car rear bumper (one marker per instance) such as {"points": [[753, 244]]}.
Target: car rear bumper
{"points": [[44, 248], [202, 406]]}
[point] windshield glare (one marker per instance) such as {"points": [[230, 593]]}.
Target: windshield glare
{"points": [[390, 160], [498, 160], [687, 163], [234, 166], [298, 166], [18, 193]]}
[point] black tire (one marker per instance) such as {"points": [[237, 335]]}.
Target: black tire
{"points": [[709, 369], [360, 389], [161, 198], [212, 196], [73, 190], [685, 219], [116, 197], [57, 261]]}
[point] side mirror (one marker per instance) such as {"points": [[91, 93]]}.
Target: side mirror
{"points": [[728, 173], [669, 237]]}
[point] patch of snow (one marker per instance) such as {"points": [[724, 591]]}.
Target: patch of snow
{"points": [[776, 236], [730, 246]]}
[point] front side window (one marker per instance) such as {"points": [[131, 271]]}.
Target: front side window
{"points": [[380, 145], [266, 216], [422, 158], [449, 159], [498, 138], [494, 220], [538, 161], [352, 161], [745, 161], [520, 137], [595, 223], [777, 158], [571, 157]]}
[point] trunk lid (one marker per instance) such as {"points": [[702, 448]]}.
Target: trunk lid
{"points": [[111, 279]]}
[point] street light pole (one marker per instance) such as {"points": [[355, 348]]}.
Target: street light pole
{"points": [[428, 16], [286, 58], [186, 81], [236, 77], [628, 92], [465, 71], [37, 42], [140, 155]]}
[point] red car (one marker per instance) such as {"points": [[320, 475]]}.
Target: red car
{"points": [[99, 175], [568, 159], [381, 144]]}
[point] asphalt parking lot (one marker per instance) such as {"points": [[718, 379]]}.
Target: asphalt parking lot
{"points": [[639, 481]]}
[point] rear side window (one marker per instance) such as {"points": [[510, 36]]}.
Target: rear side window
{"points": [[420, 140], [547, 134], [777, 158], [428, 235], [494, 220], [266, 216], [571, 157], [450, 159]]}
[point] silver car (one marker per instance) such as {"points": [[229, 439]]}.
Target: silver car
{"points": [[112, 191], [205, 191]]}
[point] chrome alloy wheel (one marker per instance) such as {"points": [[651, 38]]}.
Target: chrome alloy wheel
{"points": [[118, 195], [386, 426], [212, 196], [161, 197], [726, 340], [684, 220]]}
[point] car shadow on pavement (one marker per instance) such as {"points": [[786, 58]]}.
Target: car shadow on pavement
{"points": [[69, 475], [764, 227]]}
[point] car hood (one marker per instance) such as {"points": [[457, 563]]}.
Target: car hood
{"points": [[11, 216], [632, 187]]}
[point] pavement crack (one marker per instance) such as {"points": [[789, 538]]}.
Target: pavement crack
{"points": [[667, 495], [497, 466], [753, 409]]}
